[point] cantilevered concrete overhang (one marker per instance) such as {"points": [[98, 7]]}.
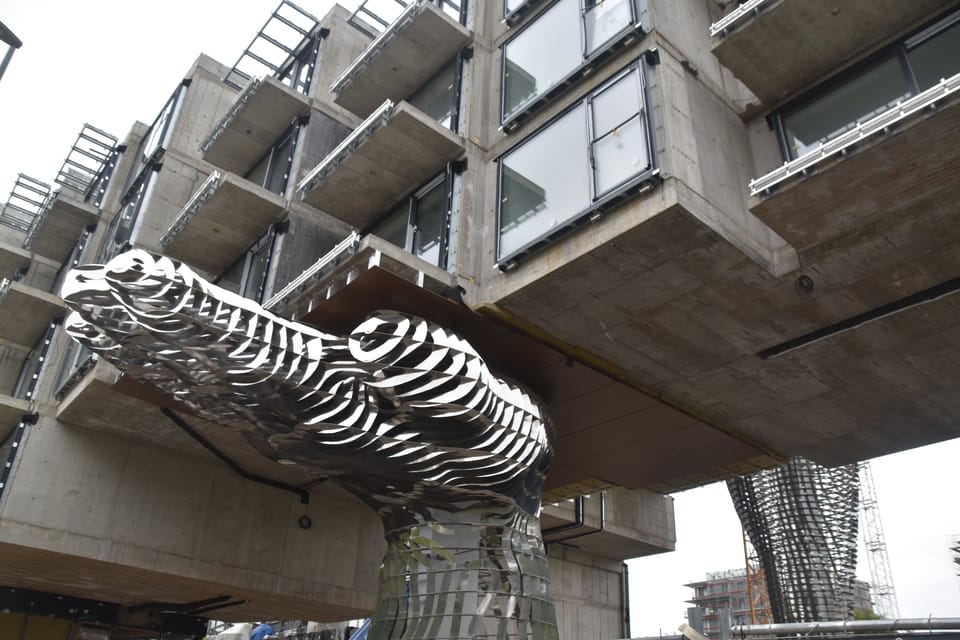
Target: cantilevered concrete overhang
{"points": [[220, 221], [391, 153], [256, 118], [57, 227], [403, 57], [829, 362], [891, 165], [12, 411], [12, 259], [780, 47], [608, 431], [26, 312]]}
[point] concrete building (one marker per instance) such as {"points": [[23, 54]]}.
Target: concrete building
{"points": [[709, 236]]}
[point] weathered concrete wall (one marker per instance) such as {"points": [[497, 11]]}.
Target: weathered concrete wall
{"points": [[205, 100], [337, 51], [588, 594], [148, 519]]}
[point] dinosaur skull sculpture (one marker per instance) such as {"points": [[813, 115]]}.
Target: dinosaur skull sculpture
{"points": [[401, 412]]}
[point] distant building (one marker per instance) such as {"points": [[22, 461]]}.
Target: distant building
{"points": [[728, 590]]}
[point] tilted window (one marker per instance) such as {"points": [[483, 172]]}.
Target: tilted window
{"points": [[272, 171], [248, 275], [591, 156], [903, 70], [438, 96], [569, 37]]}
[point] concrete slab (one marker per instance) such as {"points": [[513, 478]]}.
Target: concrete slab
{"points": [[791, 44], [11, 411], [380, 163], [255, 119], [222, 219], [407, 54], [595, 415], [12, 258], [914, 162], [26, 312], [57, 227]]}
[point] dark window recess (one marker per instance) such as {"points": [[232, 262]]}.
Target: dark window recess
{"points": [[272, 171], [898, 72], [248, 275], [25, 387], [420, 224], [148, 160], [559, 46], [297, 71], [439, 97], [591, 157]]}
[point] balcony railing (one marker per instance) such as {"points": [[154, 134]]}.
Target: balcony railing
{"points": [[726, 24], [842, 145]]}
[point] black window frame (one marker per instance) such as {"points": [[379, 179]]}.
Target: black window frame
{"points": [[599, 204], [459, 61], [625, 37], [267, 239], [513, 17], [303, 58], [898, 50], [446, 179], [147, 162], [291, 134]]}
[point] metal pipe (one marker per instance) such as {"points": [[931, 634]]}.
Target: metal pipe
{"points": [[576, 524], [845, 626]]}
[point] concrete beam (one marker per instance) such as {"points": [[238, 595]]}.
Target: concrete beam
{"points": [[12, 258], [379, 164], [57, 228], [790, 45], [222, 219], [256, 118], [26, 312], [407, 54], [11, 411]]}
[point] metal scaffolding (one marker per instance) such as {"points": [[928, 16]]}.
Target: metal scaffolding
{"points": [[802, 520], [884, 596]]}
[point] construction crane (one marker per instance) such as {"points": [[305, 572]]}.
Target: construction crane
{"points": [[757, 596], [884, 595]]}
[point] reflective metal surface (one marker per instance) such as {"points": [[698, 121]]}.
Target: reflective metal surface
{"points": [[401, 412]]}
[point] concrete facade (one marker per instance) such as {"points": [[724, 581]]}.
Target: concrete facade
{"points": [[645, 321]]}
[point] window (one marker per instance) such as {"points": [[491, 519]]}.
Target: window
{"points": [[568, 37], [420, 224], [899, 72], [438, 96], [581, 162], [248, 275], [272, 171]]}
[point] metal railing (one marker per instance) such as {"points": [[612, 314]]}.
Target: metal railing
{"points": [[314, 271], [26, 200], [87, 157], [726, 24], [842, 144]]}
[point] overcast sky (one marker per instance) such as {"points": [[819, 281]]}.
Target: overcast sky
{"points": [[111, 62]]}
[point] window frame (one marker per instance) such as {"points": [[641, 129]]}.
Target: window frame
{"points": [[623, 38], [456, 96], [444, 178], [304, 57], [598, 204], [291, 134], [898, 50], [269, 240]]}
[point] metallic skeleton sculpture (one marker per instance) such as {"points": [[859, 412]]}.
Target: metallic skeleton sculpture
{"points": [[402, 413], [802, 520]]}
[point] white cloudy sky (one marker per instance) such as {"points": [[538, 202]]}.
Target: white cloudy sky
{"points": [[111, 62]]}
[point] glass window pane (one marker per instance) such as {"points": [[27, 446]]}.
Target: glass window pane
{"points": [[257, 270], [393, 228], [868, 94], [435, 97], [451, 8], [279, 167], [542, 55], [258, 175], [603, 19], [545, 182], [512, 5], [230, 279], [936, 58], [616, 104], [620, 155], [430, 211]]}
